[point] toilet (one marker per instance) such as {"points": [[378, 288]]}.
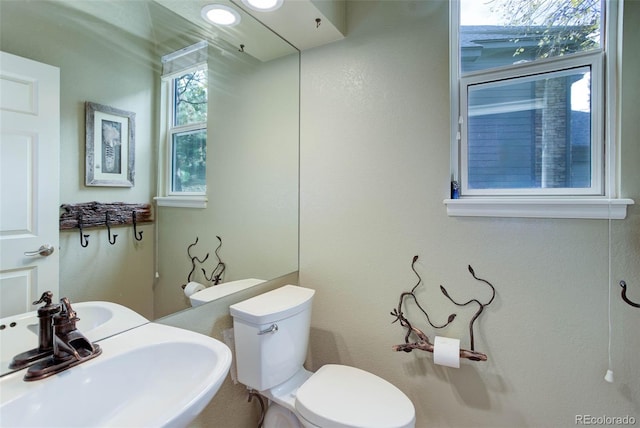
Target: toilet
{"points": [[271, 333], [221, 290]]}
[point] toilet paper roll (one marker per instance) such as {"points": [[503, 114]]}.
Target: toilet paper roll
{"points": [[193, 287], [446, 352]]}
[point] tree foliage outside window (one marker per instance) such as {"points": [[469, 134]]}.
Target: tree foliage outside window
{"points": [[189, 161], [190, 98], [561, 26]]}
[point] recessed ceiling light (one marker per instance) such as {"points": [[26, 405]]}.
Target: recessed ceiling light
{"points": [[220, 14], [263, 5]]}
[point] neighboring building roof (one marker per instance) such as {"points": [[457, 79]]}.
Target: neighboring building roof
{"points": [[478, 35], [484, 46]]}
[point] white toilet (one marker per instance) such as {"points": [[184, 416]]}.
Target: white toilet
{"points": [[219, 291], [271, 337]]}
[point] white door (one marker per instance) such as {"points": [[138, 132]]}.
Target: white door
{"points": [[29, 182]]}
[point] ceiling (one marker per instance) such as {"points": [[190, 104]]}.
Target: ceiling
{"points": [[296, 22]]}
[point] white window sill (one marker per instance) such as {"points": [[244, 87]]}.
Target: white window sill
{"points": [[595, 208], [182, 201]]}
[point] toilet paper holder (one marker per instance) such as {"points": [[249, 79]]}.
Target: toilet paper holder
{"points": [[424, 343]]}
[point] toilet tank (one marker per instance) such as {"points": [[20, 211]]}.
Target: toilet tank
{"points": [[271, 333]]}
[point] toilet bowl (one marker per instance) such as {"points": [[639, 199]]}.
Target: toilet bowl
{"points": [[271, 334], [280, 417]]}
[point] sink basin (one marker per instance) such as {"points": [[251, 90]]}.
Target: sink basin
{"points": [[97, 321], [151, 376]]}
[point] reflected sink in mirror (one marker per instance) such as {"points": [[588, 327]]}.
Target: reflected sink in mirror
{"points": [[98, 320], [153, 375]]}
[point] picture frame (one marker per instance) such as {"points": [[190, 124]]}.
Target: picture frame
{"points": [[110, 146]]}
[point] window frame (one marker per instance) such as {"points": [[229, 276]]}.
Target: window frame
{"points": [[603, 203], [174, 129], [167, 197], [530, 72]]}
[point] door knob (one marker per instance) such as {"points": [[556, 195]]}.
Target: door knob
{"points": [[44, 250]]}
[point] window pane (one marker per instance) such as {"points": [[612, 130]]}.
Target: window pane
{"points": [[188, 160], [503, 32], [530, 132], [190, 98]]}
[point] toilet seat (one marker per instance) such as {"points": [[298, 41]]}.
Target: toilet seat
{"points": [[340, 396]]}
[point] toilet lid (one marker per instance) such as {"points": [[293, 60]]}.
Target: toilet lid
{"points": [[346, 397]]}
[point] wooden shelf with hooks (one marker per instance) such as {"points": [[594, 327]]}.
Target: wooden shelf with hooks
{"points": [[93, 214]]}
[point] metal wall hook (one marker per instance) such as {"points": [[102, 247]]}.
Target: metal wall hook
{"points": [[137, 235], [106, 221], [84, 239], [623, 284]]}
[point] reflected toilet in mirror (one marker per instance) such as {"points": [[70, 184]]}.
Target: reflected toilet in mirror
{"points": [[204, 295]]}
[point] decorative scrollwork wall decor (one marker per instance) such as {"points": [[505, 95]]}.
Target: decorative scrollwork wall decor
{"points": [[217, 273], [424, 343]]}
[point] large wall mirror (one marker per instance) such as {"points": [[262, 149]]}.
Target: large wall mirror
{"points": [[109, 52]]}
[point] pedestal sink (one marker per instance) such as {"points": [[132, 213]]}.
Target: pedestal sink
{"points": [[151, 376], [97, 321]]}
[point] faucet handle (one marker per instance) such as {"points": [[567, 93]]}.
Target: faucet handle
{"points": [[49, 308], [46, 298], [67, 311]]}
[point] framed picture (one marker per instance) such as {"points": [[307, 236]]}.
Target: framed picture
{"points": [[110, 146]]}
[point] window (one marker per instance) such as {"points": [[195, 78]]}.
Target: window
{"points": [[528, 100], [188, 133], [183, 161], [533, 131]]}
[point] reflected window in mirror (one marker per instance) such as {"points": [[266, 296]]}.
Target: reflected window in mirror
{"points": [[185, 88], [188, 132]]}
